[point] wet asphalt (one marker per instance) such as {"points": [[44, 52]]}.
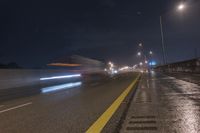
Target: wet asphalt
{"points": [[65, 111], [189, 77], [161, 104], [164, 104]]}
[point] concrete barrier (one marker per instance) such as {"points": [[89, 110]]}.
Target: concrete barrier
{"points": [[189, 66]]}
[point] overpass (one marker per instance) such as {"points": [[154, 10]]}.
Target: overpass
{"points": [[60, 101]]}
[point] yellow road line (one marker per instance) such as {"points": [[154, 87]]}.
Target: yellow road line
{"points": [[98, 125]]}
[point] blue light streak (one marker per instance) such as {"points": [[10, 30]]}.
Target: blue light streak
{"points": [[61, 77], [61, 87]]}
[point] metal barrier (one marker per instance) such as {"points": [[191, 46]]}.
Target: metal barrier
{"points": [[189, 66]]}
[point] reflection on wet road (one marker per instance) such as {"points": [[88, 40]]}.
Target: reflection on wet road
{"points": [[179, 107], [164, 104], [161, 104]]}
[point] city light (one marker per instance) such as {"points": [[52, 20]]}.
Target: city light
{"points": [[181, 7], [134, 66], [111, 68], [139, 53], [146, 61], [141, 63], [150, 52], [115, 71], [152, 63], [140, 44], [111, 64], [123, 68]]}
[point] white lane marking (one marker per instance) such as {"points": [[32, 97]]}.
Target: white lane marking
{"points": [[1, 106], [18, 106]]}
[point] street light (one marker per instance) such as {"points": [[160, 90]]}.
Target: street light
{"points": [[139, 53], [163, 44], [141, 63], [111, 64], [180, 7], [150, 52]]}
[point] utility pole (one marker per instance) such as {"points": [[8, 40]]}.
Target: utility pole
{"points": [[163, 44]]}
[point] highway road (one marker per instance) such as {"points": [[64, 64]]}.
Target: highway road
{"points": [[161, 103], [72, 110]]}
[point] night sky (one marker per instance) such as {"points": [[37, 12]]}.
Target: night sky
{"points": [[33, 33]]}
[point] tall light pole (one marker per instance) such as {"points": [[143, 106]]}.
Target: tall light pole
{"points": [[163, 44], [180, 7]]}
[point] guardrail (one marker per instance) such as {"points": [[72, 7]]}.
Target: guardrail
{"points": [[188, 66]]}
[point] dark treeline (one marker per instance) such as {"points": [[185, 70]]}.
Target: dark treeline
{"points": [[10, 65]]}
